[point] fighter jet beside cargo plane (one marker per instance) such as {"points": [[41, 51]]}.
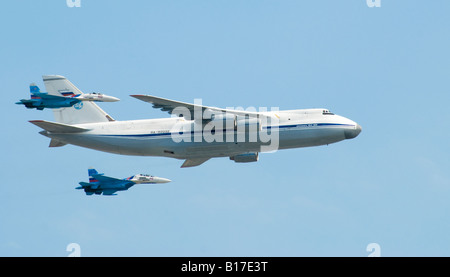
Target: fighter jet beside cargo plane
{"points": [[41, 100], [100, 184], [183, 136]]}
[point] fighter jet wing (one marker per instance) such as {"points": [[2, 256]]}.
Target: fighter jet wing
{"points": [[179, 108], [109, 192], [46, 96], [110, 180]]}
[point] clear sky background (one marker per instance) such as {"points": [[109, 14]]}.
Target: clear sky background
{"points": [[386, 68]]}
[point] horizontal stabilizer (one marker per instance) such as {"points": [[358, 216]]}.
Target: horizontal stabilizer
{"points": [[87, 185], [194, 162], [60, 128], [83, 185]]}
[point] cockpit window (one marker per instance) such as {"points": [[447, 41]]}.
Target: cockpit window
{"points": [[327, 112]]}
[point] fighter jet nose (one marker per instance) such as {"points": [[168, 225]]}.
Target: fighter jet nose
{"points": [[353, 133], [164, 180]]}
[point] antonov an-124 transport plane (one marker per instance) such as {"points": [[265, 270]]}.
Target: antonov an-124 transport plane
{"points": [[195, 133]]}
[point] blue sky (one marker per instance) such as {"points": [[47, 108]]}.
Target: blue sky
{"points": [[386, 68]]}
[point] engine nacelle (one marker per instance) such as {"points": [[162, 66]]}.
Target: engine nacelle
{"points": [[245, 158]]}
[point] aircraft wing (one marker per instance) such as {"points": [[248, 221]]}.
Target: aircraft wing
{"points": [[109, 192], [94, 188], [179, 108], [105, 179], [46, 96]]}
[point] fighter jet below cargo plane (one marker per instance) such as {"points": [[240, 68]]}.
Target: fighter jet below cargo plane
{"points": [[100, 184], [196, 133], [41, 100]]}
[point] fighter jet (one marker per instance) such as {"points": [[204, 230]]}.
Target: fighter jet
{"points": [[100, 184], [41, 100], [97, 97]]}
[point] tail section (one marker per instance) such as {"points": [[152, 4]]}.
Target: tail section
{"points": [[34, 91], [83, 112]]}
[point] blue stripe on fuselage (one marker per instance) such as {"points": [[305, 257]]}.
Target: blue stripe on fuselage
{"points": [[224, 130]]}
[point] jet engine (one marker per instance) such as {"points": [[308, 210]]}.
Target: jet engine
{"points": [[245, 158]]}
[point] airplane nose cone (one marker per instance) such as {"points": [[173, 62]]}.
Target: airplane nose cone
{"points": [[353, 133], [163, 180]]}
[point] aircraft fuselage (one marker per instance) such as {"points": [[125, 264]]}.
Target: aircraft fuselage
{"points": [[156, 137]]}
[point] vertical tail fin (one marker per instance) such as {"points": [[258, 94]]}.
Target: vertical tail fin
{"points": [[83, 112], [34, 90], [92, 172]]}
